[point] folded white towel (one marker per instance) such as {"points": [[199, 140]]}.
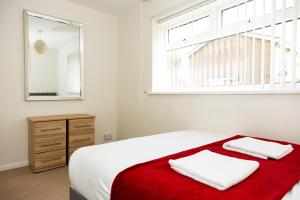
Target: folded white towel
{"points": [[213, 169], [258, 148]]}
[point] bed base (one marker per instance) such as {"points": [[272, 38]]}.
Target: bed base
{"points": [[74, 195]]}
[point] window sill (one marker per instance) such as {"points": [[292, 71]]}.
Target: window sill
{"points": [[226, 93]]}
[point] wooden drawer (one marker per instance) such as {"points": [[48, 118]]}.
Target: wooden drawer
{"points": [[50, 159], [81, 140], [52, 143], [45, 129], [82, 126], [53, 138]]}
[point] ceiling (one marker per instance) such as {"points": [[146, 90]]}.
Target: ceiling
{"points": [[113, 7], [55, 34]]}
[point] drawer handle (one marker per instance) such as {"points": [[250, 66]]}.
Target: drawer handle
{"points": [[50, 129], [82, 126], [53, 144], [82, 140], [51, 159]]}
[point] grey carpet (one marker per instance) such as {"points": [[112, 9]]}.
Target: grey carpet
{"points": [[22, 184]]}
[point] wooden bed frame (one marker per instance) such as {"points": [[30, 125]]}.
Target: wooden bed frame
{"points": [[74, 195]]}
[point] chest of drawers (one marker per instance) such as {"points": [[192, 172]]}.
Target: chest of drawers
{"points": [[52, 139]]}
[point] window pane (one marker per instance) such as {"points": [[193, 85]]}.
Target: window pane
{"points": [[73, 73], [189, 29], [216, 62], [229, 16], [247, 11], [279, 59], [238, 13]]}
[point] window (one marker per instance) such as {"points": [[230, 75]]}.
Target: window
{"points": [[189, 29], [251, 9], [229, 46], [73, 73]]}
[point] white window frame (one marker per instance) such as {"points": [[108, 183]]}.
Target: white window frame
{"points": [[214, 11]]}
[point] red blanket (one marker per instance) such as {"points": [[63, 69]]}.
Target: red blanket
{"points": [[155, 179]]}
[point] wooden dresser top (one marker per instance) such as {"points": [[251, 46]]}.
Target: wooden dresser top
{"points": [[59, 117]]}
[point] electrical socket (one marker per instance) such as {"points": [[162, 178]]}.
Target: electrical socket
{"points": [[107, 136]]}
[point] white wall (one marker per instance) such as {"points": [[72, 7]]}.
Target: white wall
{"points": [[270, 116], [101, 41]]}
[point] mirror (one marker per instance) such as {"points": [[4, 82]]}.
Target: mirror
{"points": [[53, 58]]}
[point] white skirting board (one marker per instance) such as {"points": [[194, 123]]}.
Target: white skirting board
{"points": [[13, 165]]}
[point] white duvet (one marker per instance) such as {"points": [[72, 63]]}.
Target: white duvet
{"points": [[93, 169]]}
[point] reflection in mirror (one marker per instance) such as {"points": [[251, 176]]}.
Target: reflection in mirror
{"points": [[53, 58]]}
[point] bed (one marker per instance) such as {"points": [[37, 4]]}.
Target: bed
{"points": [[93, 169]]}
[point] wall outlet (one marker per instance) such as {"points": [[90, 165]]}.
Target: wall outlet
{"points": [[107, 136]]}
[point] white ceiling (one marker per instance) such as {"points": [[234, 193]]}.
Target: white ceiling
{"points": [[113, 7], [55, 34]]}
